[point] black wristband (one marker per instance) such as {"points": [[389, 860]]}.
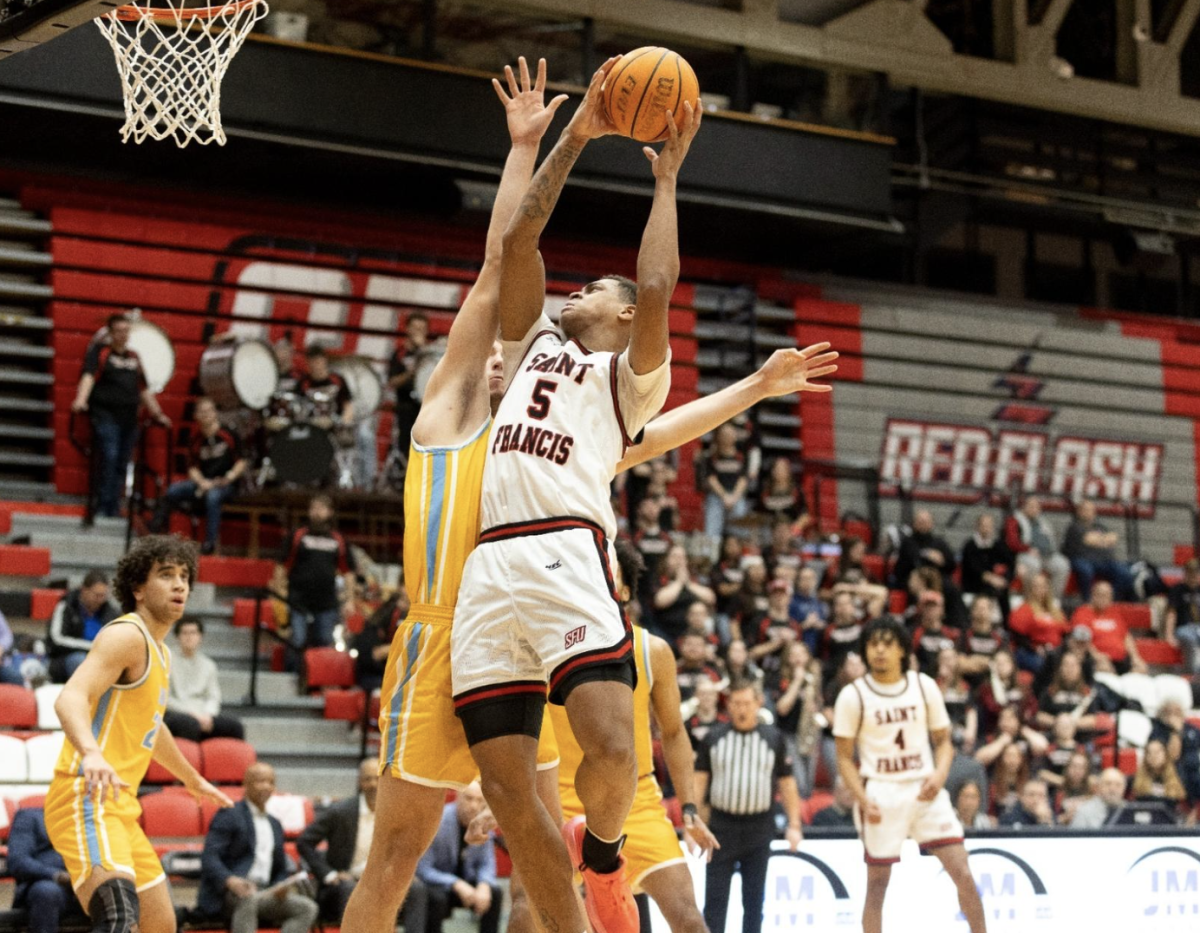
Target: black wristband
{"points": [[690, 809]]}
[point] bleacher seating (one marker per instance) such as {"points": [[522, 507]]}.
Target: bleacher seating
{"points": [[46, 695], [42, 751], [224, 761], [328, 667], [18, 708], [14, 766], [174, 815], [157, 774]]}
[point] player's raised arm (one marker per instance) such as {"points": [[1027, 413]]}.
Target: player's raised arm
{"points": [[523, 277], [677, 747], [528, 117], [106, 662], [658, 259], [785, 372]]}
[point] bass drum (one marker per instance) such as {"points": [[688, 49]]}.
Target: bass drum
{"points": [[301, 455], [153, 347], [427, 359], [239, 373], [366, 388]]}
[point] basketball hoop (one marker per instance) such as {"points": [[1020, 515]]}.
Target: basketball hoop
{"points": [[172, 60]]}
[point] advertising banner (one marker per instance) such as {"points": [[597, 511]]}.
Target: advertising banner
{"points": [[1101, 885]]}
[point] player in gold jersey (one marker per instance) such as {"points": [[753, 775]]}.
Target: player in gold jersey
{"points": [[111, 711]]}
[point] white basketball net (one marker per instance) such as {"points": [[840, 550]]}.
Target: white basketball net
{"points": [[172, 61]]}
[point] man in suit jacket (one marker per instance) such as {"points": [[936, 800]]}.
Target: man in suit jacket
{"points": [[347, 828], [458, 875], [243, 855], [43, 885]]}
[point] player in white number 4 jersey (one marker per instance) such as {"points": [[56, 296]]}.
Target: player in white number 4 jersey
{"points": [[890, 715]]}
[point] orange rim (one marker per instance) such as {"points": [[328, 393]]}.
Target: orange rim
{"points": [[133, 12]]}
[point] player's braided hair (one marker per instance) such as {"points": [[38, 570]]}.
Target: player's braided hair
{"points": [[632, 564], [134, 568], [887, 626]]}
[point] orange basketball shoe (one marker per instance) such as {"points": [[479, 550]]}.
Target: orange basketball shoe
{"points": [[609, 902]]}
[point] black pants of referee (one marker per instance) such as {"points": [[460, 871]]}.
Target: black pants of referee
{"points": [[745, 848]]}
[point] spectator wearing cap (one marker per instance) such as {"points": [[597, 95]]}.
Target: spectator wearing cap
{"points": [[76, 621], [775, 629], [980, 641], [1038, 624], [987, 563], [932, 635], [1030, 537], [1092, 550], [1032, 809], [1102, 809], [1111, 639], [677, 590], [111, 389], [1182, 627]]}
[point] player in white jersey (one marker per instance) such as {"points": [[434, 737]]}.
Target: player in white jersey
{"points": [[538, 604], [890, 715]]}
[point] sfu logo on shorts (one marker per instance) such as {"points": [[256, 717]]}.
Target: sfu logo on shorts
{"points": [[575, 636]]}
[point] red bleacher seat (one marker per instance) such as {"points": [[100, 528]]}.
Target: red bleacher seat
{"points": [[346, 705], [897, 601], [1125, 759], [225, 760], [243, 613], [374, 708], [1136, 615], [42, 603], [822, 777], [1156, 651], [32, 802], [1025, 679], [235, 571], [503, 863], [875, 567], [17, 560], [857, 528], [18, 707], [278, 658], [328, 667], [817, 802], [170, 815], [157, 774]]}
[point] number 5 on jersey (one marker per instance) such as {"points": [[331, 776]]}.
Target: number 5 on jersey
{"points": [[541, 400]]}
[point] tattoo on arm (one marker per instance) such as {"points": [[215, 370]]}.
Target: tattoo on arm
{"points": [[547, 185]]}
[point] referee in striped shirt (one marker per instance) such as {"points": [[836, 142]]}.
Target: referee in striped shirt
{"points": [[739, 764]]}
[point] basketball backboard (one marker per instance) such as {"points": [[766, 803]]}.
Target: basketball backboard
{"points": [[26, 23]]}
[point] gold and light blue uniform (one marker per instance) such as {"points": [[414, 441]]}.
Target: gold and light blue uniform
{"points": [[422, 740], [650, 842], [90, 832]]}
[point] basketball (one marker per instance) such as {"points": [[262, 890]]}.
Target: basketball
{"points": [[643, 86]]}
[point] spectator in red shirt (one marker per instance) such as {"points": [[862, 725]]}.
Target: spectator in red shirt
{"points": [[693, 665], [931, 634], [1110, 635], [1039, 624]]}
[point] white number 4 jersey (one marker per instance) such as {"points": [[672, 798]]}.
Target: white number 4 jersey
{"points": [[890, 724]]}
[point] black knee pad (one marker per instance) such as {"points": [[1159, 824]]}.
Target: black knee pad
{"points": [[114, 907]]}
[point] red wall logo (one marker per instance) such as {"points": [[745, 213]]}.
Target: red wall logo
{"points": [[963, 463]]}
